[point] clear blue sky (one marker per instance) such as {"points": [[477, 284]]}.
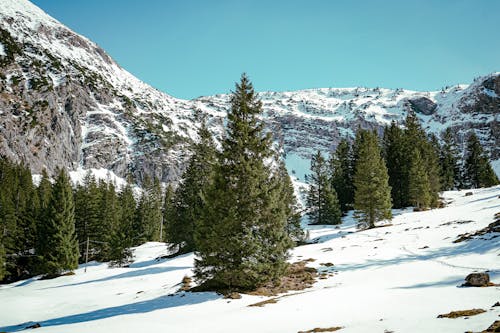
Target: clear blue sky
{"points": [[190, 48]]}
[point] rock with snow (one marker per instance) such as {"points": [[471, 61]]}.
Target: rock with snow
{"points": [[477, 280]]}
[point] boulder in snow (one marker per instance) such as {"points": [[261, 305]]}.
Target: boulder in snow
{"points": [[477, 280]]}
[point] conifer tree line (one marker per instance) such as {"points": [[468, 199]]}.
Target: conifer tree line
{"points": [[47, 229], [403, 167], [235, 207]]}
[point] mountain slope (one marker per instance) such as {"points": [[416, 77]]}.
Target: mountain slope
{"points": [[398, 278], [65, 102]]}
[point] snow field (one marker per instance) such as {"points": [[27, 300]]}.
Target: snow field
{"points": [[395, 278]]}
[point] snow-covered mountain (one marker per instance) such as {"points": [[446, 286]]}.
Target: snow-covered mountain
{"points": [[398, 278], [65, 102]]}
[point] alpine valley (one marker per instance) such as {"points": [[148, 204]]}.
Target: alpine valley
{"points": [[64, 102]]}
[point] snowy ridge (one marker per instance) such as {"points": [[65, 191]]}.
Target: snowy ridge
{"points": [[396, 278]]}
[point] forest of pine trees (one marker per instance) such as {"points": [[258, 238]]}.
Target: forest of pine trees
{"points": [[235, 206], [404, 167]]}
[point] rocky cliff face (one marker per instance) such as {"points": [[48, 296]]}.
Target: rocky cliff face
{"points": [[65, 103]]}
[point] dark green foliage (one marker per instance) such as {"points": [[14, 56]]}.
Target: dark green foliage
{"points": [[11, 48], [430, 154], [87, 199], [393, 148], [148, 217], [168, 213], [322, 203], [109, 216], [242, 238], [372, 197], [419, 187], [449, 160], [59, 246], [290, 205], [477, 169], [342, 175], [189, 197], [18, 209], [122, 235], [399, 151]]}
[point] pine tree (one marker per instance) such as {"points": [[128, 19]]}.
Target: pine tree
{"points": [[109, 215], [168, 213], [290, 205], [420, 188], [430, 153], [242, 240], [189, 197], [122, 236], [477, 168], [372, 197], [148, 217], [60, 246], [395, 160], [87, 197], [449, 160], [44, 194], [322, 203], [18, 206], [342, 174]]}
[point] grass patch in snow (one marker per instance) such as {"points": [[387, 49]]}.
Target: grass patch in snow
{"points": [[186, 283], [319, 329], [462, 313], [297, 277], [269, 301]]}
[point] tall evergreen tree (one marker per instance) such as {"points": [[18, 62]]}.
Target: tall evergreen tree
{"points": [[322, 203], [395, 160], [109, 215], [342, 174], [189, 197], [87, 197], [290, 205], [148, 217], [242, 240], [59, 249], [18, 207], [372, 197], [449, 160], [477, 168], [122, 236], [419, 187], [430, 153], [44, 194], [169, 213]]}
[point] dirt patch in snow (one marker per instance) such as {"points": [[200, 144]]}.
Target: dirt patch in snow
{"points": [[319, 329], [297, 277], [462, 313]]}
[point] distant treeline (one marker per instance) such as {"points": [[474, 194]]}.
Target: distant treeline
{"points": [[405, 167]]}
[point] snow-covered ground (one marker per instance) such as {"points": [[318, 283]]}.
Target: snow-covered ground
{"points": [[397, 278]]}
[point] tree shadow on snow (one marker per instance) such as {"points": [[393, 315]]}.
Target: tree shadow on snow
{"points": [[157, 261], [130, 274], [439, 255], [451, 282], [160, 303]]}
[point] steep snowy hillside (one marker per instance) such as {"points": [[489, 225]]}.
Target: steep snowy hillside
{"points": [[397, 278], [65, 102]]}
